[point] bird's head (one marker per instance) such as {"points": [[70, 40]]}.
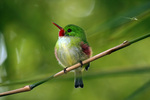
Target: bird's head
{"points": [[71, 30]]}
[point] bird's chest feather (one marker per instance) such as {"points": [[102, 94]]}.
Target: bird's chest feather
{"points": [[68, 51]]}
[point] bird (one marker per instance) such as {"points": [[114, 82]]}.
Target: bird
{"points": [[71, 48]]}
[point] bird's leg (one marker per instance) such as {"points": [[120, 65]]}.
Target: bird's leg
{"points": [[81, 63], [65, 70]]}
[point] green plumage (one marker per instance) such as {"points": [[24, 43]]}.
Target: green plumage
{"points": [[71, 49], [76, 31]]}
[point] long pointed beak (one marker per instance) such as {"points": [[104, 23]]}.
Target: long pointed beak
{"points": [[61, 32], [57, 26]]}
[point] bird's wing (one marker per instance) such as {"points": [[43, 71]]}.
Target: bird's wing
{"points": [[86, 49]]}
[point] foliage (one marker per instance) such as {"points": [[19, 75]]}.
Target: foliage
{"points": [[30, 38]]}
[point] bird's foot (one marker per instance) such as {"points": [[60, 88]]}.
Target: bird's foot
{"points": [[65, 71], [81, 63]]}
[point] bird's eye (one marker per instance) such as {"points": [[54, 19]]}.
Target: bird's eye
{"points": [[69, 30]]}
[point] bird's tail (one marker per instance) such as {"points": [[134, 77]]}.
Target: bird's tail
{"points": [[78, 79]]}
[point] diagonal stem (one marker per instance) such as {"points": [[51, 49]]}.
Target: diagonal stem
{"points": [[24, 89], [107, 52]]}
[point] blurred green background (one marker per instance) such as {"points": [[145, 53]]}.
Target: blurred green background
{"points": [[30, 38]]}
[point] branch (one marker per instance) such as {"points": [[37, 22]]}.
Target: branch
{"points": [[107, 52]]}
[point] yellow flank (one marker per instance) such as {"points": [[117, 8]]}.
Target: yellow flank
{"points": [[68, 57]]}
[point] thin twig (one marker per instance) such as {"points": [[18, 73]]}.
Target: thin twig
{"points": [[98, 74], [107, 52], [24, 89]]}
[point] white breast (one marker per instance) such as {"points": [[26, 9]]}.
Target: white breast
{"points": [[69, 51]]}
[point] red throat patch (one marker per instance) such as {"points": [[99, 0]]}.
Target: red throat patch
{"points": [[61, 32]]}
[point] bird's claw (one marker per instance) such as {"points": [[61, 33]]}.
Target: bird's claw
{"points": [[81, 64], [65, 71]]}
